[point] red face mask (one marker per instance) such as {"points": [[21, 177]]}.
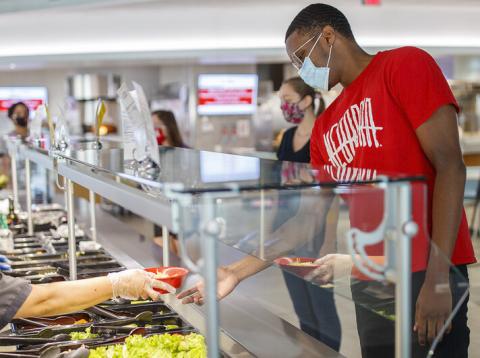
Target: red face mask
{"points": [[160, 136], [292, 112]]}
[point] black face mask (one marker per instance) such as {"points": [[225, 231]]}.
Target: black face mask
{"points": [[21, 121]]}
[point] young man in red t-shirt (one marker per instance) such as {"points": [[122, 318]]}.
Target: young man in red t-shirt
{"points": [[396, 114]]}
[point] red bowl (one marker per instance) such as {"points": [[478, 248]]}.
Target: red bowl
{"points": [[285, 263], [176, 276]]}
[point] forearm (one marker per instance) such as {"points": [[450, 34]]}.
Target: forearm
{"points": [[63, 297], [246, 267], [295, 232], [446, 216]]}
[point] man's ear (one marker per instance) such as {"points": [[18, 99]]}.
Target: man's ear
{"points": [[329, 34]]}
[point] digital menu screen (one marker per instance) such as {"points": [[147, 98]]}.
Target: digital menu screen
{"points": [[219, 167], [31, 96], [227, 94]]}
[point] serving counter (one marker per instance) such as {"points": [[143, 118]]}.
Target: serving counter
{"points": [[274, 213]]}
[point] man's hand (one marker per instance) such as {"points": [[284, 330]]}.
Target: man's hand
{"points": [[434, 306], [331, 267], [227, 281]]}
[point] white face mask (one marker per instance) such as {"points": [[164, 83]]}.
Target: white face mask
{"points": [[316, 77]]}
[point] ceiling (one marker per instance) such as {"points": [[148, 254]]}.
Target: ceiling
{"points": [[46, 33], [29, 5]]}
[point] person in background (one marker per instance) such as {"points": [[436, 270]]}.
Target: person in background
{"points": [[298, 108], [166, 126], [314, 306], [19, 298], [19, 114], [168, 135]]}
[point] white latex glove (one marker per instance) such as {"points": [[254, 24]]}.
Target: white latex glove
{"points": [[135, 284], [332, 267]]}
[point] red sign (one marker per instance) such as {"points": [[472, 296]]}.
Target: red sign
{"points": [[372, 2], [230, 96], [32, 104]]}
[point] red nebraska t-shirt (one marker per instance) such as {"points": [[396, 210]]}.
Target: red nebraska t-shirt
{"points": [[371, 125]]}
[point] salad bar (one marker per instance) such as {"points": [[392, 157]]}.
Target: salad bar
{"points": [[261, 217], [139, 328]]}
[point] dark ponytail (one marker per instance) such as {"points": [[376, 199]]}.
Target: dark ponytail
{"points": [[304, 90]]}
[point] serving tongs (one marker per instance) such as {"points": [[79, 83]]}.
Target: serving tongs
{"points": [[46, 348], [42, 322], [105, 312], [54, 349], [45, 322], [32, 271], [27, 340], [146, 316], [155, 329]]}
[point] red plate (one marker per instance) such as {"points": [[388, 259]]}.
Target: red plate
{"points": [[176, 276], [285, 263]]}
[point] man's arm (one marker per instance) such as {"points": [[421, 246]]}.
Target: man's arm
{"points": [[440, 142], [439, 139], [296, 231]]}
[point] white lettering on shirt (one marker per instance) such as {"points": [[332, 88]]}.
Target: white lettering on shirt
{"points": [[356, 129], [350, 175]]}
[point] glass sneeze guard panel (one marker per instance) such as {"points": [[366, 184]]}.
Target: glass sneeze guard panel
{"points": [[201, 171], [346, 240], [337, 229]]}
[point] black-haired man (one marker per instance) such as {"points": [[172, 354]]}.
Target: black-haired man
{"points": [[397, 114]]}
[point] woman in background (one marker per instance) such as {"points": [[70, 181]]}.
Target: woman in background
{"points": [[166, 126], [314, 306], [298, 107], [168, 135]]}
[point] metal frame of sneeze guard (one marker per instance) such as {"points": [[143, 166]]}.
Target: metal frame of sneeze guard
{"points": [[12, 148], [396, 230], [211, 230]]}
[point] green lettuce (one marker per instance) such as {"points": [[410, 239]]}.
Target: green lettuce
{"points": [[157, 346], [76, 336]]}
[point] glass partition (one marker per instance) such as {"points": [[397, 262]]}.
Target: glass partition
{"points": [[335, 240], [352, 234]]}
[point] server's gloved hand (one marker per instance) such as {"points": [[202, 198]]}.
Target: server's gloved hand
{"points": [[135, 284], [5, 264]]}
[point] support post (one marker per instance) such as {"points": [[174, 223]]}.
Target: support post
{"points": [[28, 189], [166, 246], [262, 224], [13, 165], [72, 246], [406, 229], [209, 232], [93, 221]]}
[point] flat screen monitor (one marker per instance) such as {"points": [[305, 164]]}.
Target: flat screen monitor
{"points": [[218, 167], [227, 94], [31, 96]]}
